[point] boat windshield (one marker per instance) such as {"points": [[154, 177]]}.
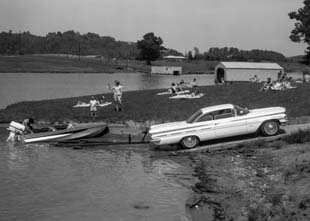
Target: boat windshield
{"points": [[192, 118]]}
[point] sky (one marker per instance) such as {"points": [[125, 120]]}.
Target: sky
{"points": [[182, 24]]}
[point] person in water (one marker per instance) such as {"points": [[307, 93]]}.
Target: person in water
{"points": [[118, 93]]}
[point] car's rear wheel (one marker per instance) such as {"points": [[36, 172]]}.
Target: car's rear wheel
{"points": [[189, 142], [270, 128]]}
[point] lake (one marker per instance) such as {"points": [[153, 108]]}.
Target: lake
{"points": [[42, 182], [16, 87]]}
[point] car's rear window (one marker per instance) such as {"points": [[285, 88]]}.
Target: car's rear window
{"points": [[192, 118]]}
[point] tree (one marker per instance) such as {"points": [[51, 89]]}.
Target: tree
{"points": [[190, 55], [197, 55], [150, 47], [301, 32]]}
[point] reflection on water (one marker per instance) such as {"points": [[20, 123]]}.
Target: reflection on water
{"points": [[40, 182], [15, 87]]}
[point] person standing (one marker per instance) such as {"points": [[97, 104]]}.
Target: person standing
{"points": [[28, 123], [118, 93], [93, 107]]}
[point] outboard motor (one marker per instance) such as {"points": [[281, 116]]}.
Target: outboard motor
{"points": [[16, 129]]}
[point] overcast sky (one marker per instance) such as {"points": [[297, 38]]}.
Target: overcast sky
{"points": [[182, 24]]}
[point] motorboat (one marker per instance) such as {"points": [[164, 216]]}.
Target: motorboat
{"points": [[79, 132]]}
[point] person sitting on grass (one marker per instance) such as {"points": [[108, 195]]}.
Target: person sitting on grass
{"points": [[172, 89], [196, 91], [254, 79], [183, 84], [93, 107], [118, 93], [194, 83], [101, 100], [267, 85], [179, 87]]}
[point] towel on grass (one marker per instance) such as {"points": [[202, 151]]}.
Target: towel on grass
{"points": [[167, 92], [83, 104], [187, 96]]}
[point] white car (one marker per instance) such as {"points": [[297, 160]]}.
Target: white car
{"points": [[219, 121]]}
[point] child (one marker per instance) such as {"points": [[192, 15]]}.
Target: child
{"points": [[93, 107], [118, 93]]}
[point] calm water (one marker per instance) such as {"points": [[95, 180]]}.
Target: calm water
{"points": [[15, 87], [41, 182]]}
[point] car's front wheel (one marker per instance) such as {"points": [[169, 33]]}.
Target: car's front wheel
{"points": [[270, 128], [189, 142]]}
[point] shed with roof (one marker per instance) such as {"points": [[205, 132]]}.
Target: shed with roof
{"points": [[243, 71], [173, 70]]}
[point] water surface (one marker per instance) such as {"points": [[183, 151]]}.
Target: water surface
{"points": [[16, 87], [41, 182]]}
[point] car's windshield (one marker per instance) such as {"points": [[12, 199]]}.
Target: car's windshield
{"points": [[192, 118], [241, 111]]}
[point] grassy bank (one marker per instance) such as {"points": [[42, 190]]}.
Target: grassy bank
{"points": [[69, 64], [147, 106]]}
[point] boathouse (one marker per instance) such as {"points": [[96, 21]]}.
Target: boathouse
{"points": [[243, 71], [173, 70]]}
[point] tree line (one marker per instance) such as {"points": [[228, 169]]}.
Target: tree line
{"points": [[68, 42], [235, 54], [149, 48]]}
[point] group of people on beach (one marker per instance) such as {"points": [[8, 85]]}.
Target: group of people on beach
{"points": [[182, 85], [117, 90], [283, 83]]}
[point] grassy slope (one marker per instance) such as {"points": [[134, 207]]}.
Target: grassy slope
{"points": [[54, 64], [145, 105], [61, 64]]}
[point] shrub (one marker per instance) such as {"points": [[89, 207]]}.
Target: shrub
{"points": [[301, 136]]}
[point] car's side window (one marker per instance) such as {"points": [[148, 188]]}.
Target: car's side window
{"points": [[222, 114], [206, 117]]}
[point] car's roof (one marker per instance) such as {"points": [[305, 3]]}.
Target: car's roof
{"points": [[217, 107]]}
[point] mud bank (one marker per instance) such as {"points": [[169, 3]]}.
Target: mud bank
{"points": [[269, 181]]}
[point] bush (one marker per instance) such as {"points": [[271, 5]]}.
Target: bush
{"points": [[301, 136]]}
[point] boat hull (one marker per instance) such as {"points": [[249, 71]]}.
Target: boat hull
{"points": [[67, 134]]}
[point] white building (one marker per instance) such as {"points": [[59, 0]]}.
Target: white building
{"points": [[166, 70], [243, 71]]}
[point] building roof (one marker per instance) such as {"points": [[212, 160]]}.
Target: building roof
{"points": [[251, 65], [174, 57]]}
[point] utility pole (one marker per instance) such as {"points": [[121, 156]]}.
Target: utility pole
{"points": [[79, 50]]}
